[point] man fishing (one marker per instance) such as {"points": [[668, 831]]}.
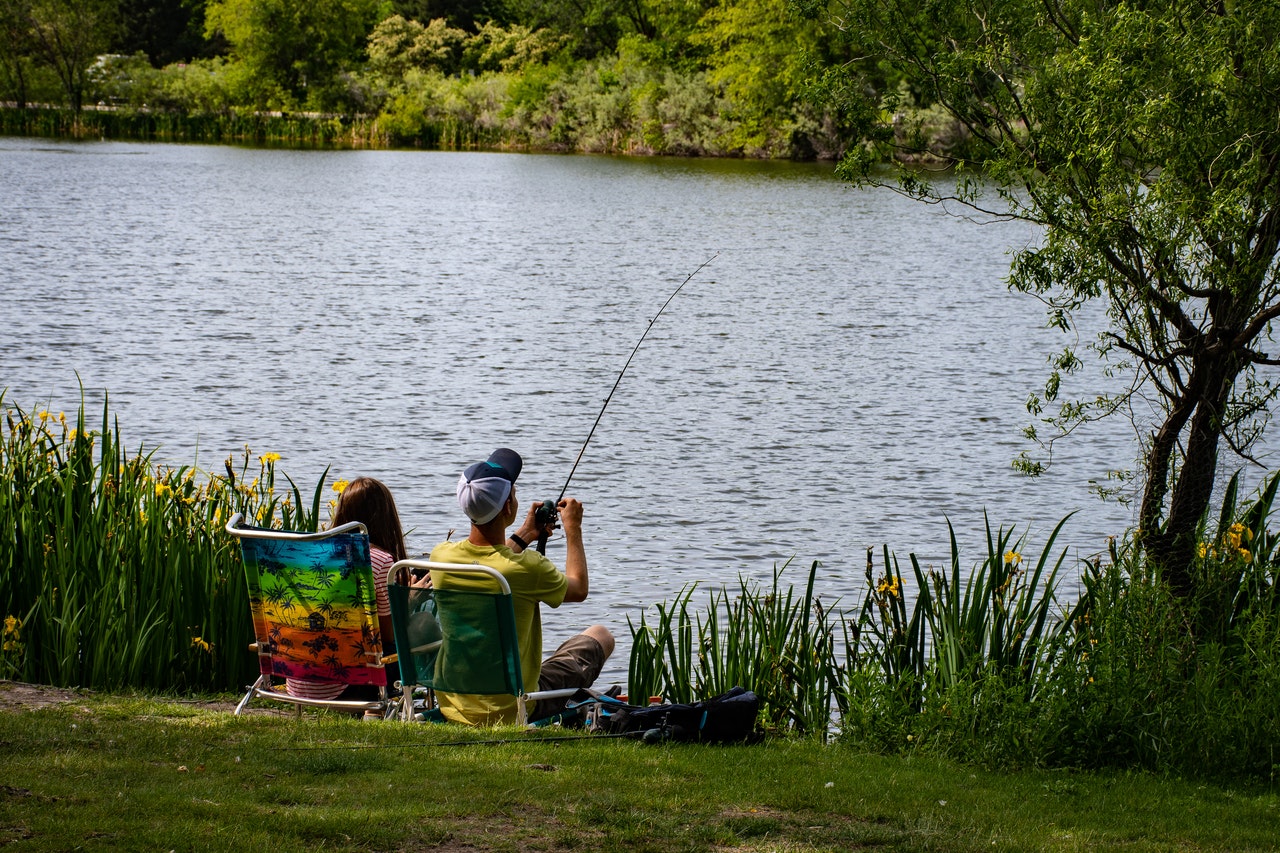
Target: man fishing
{"points": [[487, 494]]}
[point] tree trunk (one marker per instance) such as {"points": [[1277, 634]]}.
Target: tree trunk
{"points": [[1171, 544]]}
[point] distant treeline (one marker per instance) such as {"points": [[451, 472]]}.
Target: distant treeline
{"points": [[756, 78]]}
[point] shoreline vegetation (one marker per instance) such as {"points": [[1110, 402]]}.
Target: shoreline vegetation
{"points": [[118, 575], [760, 79], [936, 137]]}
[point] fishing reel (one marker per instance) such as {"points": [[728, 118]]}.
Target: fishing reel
{"points": [[546, 514], [546, 517]]}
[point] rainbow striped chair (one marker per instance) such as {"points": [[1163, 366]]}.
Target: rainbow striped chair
{"points": [[315, 615]]}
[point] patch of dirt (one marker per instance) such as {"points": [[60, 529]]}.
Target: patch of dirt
{"points": [[18, 696]]}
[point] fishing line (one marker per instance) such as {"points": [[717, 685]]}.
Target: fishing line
{"points": [[624, 370], [547, 511], [556, 739]]}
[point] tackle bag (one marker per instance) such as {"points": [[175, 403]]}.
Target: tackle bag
{"points": [[727, 718]]}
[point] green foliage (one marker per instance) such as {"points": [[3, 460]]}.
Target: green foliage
{"points": [[1141, 139], [775, 643], [293, 51], [116, 573], [397, 45], [65, 36], [760, 52], [985, 669]]}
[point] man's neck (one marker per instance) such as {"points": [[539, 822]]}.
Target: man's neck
{"points": [[493, 534]]}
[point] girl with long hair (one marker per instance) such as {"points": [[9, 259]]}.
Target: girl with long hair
{"points": [[369, 502]]}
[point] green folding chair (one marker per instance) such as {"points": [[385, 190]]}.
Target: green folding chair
{"points": [[315, 615], [476, 652]]}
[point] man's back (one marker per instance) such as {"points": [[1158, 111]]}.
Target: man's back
{"points": [[533, 579]]}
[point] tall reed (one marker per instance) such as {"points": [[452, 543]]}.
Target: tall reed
{"points": [[115, 572], [781, 646]]}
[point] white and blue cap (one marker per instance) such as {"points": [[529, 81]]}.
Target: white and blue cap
{"points": [[485, 486]]}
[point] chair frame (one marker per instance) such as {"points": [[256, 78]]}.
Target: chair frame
{"points": [[522, 696], [262, 687]]}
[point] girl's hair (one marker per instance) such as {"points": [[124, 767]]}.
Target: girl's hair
{"points": [[369, 502]]}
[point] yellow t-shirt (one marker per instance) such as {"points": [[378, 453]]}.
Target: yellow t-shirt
{"points": [[533, 579]]}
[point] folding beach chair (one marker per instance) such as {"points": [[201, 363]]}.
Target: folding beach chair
{"points": [[477, 651], [315, 615]]}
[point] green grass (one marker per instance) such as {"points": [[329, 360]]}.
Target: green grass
{"points": [[130, 772]]}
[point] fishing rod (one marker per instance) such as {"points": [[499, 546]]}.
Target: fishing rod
{"points": [[636, 735], [547, 511]]}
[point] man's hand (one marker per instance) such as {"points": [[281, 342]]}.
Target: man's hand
{"points": [[570, 511]]}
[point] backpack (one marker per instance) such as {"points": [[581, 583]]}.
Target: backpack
{"points": [[727, 718]]}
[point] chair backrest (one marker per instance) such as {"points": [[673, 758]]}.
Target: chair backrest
{"points": [[479, 652], [315, 615]]}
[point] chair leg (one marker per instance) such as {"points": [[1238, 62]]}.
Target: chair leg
{"points": [[522, 711], [253, 689]]}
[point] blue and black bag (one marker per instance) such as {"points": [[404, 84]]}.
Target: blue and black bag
{"points": [[728, 718]]}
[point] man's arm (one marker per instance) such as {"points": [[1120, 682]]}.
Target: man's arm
{"points": [[575, 558]]}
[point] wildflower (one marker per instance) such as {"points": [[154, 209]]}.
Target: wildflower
{"points": [[201, 643], [340, 486], [1245, 555], [163, 489], [1012, 558], [71, 434], [43, 415], [12, 625], [1202, 550], [269, 458]]}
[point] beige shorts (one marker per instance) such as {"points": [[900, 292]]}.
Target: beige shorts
{"points": [[577, 663]]}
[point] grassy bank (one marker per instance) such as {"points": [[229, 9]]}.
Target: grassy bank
{"points": [[118, 772]]}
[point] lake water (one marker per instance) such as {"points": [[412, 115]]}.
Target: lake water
{"points": [[849, 371]]}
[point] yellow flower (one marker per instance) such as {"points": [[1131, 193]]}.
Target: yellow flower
{"points": [[340, 485], [71, 434], [1244, 553], [199, 642], [44, 416], [269, 458], [163, 489], [1202, 549], [1012, 558], [12, 624]]}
